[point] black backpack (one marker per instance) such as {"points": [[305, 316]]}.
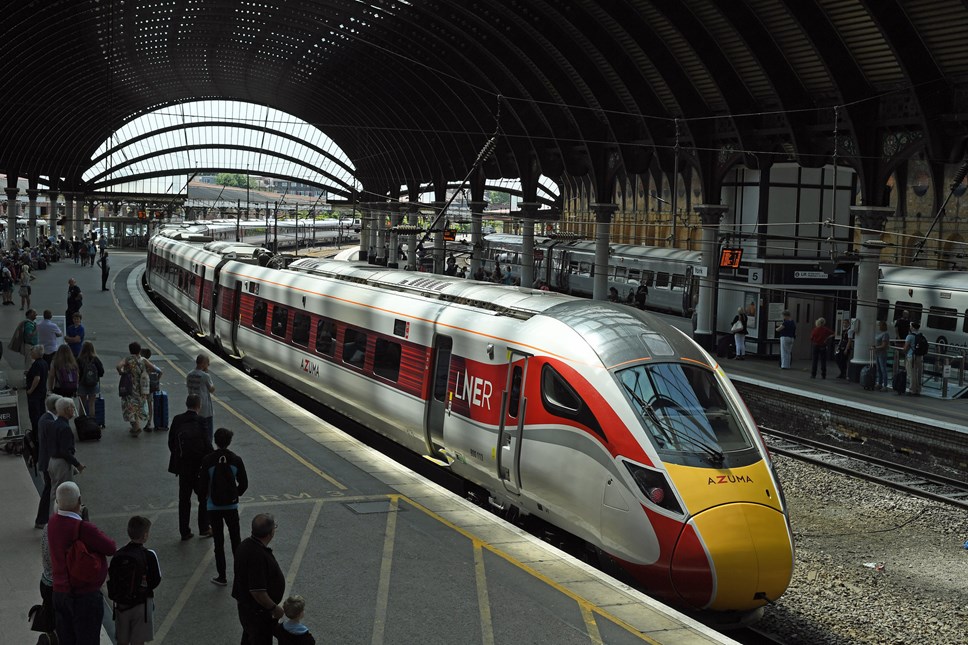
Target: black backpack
{"points": [[222, 489], [920, 344], [89, 377], [127, 577]]}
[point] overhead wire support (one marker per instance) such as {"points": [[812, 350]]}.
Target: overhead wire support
{"points": [[955, 182]]}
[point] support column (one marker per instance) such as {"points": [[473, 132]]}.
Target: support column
{"points": [[477, 240], [380, 226], [413, 218], [603, 224], [528, 210], [872, 220], [710, 216], [32, 215], [52, 214], [364, 232], [393, 255], [68, 227], [12, 215], [440, 248]]}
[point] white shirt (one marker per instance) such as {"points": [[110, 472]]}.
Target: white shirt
{"points": [[47, 334]]}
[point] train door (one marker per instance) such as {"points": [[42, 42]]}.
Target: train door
{"points": [[235, 319], [510, 432], [216, 290], [804, 312], [200, 276], [437, 401]]}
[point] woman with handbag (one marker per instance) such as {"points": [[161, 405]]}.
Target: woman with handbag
{"points": [[134, 388], [738, 329]]}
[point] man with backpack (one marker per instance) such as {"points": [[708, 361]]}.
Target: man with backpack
{"points": [[78, 559], [188, 445], [915, 349], [132, 578], [223, 477]]}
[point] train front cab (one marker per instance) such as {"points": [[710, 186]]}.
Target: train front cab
{"points": [[731, 548]]}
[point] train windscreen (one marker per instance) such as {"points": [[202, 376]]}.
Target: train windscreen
{"points": [[684, 409]]}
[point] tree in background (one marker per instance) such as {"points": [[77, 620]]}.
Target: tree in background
{"points": [[235, 179], [498, 198]]}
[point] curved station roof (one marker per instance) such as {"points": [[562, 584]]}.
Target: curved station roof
{"points": [[412, 91]]}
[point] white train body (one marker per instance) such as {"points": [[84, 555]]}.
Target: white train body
{"points": [[572, 410]]}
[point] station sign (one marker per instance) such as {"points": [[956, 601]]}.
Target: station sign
{"points": [[730, 258], [810, 275]]}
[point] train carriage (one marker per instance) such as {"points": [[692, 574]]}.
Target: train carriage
{"points": [[595, 417]]}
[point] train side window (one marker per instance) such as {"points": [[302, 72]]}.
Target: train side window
{"points": [[621, 273], [647, 277], [280, 321], [964, 324], [560, 399], [883, 309], [943, 318], [573, 267], [354, 348], [325, 335], [300, 329], [584, 268], [661, 280], [259, 312], [386, 359], [635, 275], [913, 309], [678, 282]]}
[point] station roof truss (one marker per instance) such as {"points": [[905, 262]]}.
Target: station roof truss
{"points": [[411, 90]]}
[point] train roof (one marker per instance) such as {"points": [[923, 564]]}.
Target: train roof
{"points": [[499, 240], [925, 278]]}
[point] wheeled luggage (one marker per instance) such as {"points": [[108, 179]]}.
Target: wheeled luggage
{"points": [[99, 414], [867, 374], [900, 382], [160, 406], [87, 427]]}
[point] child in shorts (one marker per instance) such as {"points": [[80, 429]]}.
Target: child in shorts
{"points": [[291, 631]]}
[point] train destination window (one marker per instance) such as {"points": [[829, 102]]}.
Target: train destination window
{"points": [[280, 321], [300, 329], [943, 318], [259, 312], [684, 409], [354, 348], [386, 359], [325, 333]]}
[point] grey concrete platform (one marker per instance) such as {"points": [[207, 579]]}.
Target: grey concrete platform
{"points": [[381, 555]]}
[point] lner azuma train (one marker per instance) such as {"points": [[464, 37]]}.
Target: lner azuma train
{"points": [[595, 417]]}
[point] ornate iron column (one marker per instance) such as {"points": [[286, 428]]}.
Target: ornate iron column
{"points": [[603, 224], [710, 215], [528, 210], [413, 218], [440, 246], [12, 214], [871, 220], [32, 212], [393, 257], [68, 227], [477, 240]]}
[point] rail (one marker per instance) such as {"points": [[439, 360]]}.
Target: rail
{"points": [[894, 475]]}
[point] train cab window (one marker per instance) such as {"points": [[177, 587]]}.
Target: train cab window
{"points": [[325, 336], [280, 321], [883, 309], [354, 348], [259, 312], [661, 280], [684, 409], [300, 329], [913, 309], [386, 359], [943, 318], [678, 282]]}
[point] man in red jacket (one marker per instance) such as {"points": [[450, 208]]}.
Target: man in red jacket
{"points": [[79, 607]]}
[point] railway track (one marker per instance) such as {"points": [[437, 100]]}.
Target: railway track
{"points": [[898, 476]]}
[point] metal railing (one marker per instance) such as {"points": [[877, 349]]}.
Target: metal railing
{"points": [[943, 364]]}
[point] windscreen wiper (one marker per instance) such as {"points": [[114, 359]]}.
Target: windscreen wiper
{"points": [[715, 456]]}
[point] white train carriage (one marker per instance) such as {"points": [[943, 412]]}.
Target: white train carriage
{"points": [[595, 417], [936, 299]]}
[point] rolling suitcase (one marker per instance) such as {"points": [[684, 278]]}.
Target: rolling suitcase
{"points": [[867, 374], [99, 414], [86, 426], [160, 405], [900, 381]]}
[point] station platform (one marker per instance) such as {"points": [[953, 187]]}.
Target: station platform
{"points": [[381, 555]]}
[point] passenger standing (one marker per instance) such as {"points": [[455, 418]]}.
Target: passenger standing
{"points": [[220, 470], [91, 371], [739, 331], [75, 299], [25, 277], [819, 338], [45, 441], [78, 605], [641, 295], [134, 405], [882, 343], [788, 333], [259, 583], [47, 334], [902, 326], [29, 336], [154, 385], [105, 268], [134, 605], [63, 462], [292, 631], [199, 382], [914, 362], [844, 348], [188, 446], [75, 334], [36, 381], [63, 376]]}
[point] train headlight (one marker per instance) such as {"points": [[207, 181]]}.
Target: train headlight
{"points": [[654, 486]]}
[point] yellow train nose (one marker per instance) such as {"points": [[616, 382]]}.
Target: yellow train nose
{"points": [[736, 557]]}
